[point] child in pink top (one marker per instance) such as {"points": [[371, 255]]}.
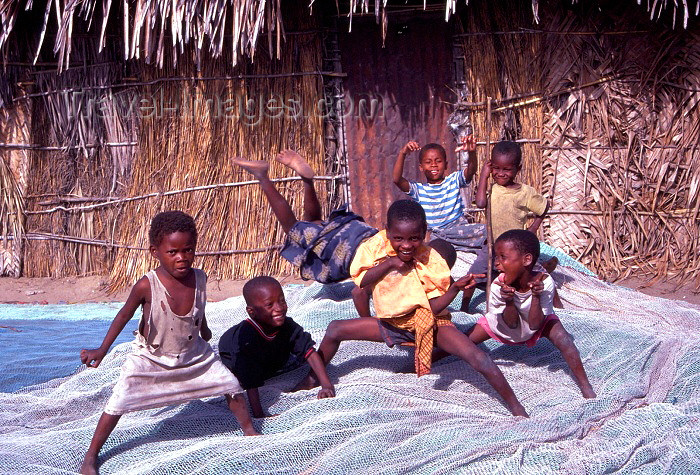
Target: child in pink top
{"points": [[520, 307]]}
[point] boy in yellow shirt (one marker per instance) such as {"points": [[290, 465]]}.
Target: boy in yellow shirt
{"points": [[411, 288]]}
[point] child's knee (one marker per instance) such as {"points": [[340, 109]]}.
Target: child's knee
{"points": [[335, 330]]}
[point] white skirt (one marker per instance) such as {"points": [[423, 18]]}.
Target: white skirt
{"points": [[146, 384]]}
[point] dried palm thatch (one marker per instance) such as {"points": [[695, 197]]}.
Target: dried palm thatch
{"points": [[188, 123], [156, 29], [195, 148], [626, 150], [610, 131], [13, 184], [83, 119]]}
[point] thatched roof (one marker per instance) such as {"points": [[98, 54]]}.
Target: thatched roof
{"points": [[149, 27]]}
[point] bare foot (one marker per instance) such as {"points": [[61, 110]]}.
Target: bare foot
{"points": [[588, 392], [309, 382], [293, 160], [89, 466], [257, 168], [251, 431], [518, 410], [551, 264]]}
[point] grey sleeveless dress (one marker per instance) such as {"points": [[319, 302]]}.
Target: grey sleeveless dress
{"points": [[172, 363]]}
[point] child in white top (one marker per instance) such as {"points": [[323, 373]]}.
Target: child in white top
{"points": [[520, 306]]}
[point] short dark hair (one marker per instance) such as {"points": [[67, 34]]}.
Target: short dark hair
{"points": [[256, 283], [432, 146], [524, 241], [446, 250], [509, 149], [406, 210], [169, 222]]}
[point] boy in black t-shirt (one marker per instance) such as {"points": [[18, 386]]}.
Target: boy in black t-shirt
{"points": [[257, 348]]}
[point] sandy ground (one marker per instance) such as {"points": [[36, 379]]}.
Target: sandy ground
{"points": [[93, 289]]}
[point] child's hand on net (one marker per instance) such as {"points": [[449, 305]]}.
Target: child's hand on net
{"points": [[92, 358], [468, 144], [411, 146], [507, 292], [537, 285], [468, 281], [324, 393]]}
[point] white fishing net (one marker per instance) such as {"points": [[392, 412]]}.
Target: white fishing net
{"points": [[641, 354]]}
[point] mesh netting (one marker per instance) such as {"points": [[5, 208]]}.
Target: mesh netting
{"points": [[641, 354]]}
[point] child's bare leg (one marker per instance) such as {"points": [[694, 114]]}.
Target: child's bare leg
{"points": [[558, 335], [477, 334], [312, 207], [366, 329], [360, 297], [280, 206], [455, 342], [105, 426], [239, 408]]}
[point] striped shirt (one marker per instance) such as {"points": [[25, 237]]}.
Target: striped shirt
{"points": [[442, 202]]}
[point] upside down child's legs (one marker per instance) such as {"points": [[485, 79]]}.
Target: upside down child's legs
{"points": [[560, 338], [280, 206], [105, 426], [450, 339]]}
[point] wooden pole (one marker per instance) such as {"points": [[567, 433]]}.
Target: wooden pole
{"points": [[489, 233]]}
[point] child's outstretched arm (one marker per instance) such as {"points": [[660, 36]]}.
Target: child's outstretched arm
{"points": [[538, 220], [399, 180], [468, 144], [319, 369], [482, 188], [438, 304], [137, 297]]}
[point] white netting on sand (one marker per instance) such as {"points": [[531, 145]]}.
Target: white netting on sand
{"points": [[641, 354]]}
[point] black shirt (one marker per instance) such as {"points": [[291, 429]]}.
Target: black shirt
{"points": [[253, 356]]}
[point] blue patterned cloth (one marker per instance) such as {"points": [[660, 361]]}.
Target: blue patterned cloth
{"points": [[463, 235], [323, 252]]}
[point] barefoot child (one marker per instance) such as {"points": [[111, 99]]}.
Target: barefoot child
{"points": [[511, 201], [440, 198], [171, 361], [411, 288], [521, 309], [259, 347]]}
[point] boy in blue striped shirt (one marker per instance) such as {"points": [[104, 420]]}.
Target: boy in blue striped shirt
{"points": [[440, 198]]}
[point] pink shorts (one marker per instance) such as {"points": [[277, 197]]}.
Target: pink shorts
{"points": [[549, 320]]}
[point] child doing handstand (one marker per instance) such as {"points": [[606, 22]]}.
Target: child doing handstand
{"points": [[441, 199], [520, 310], [411, 287], [171, 360], [322, 250], [259, 347]]}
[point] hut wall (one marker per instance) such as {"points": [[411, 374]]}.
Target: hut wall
{"points": [[14, 165], [409, 78], [122, 142]]}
